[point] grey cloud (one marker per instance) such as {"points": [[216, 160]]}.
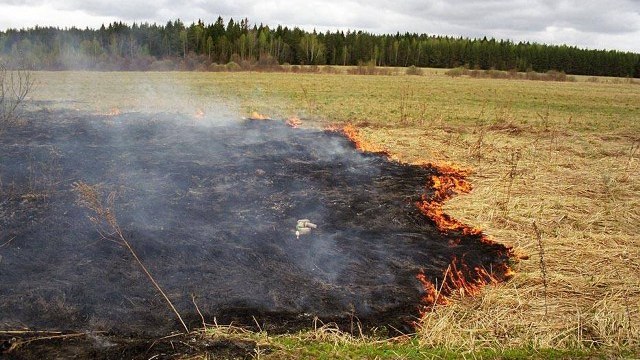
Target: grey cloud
{"points": [[591, 16], [22, 2], [587, 21], [616, 16]]}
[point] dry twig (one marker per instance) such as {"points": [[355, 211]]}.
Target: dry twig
{"points": [[543, 266], [14, 88], [105, 221]]}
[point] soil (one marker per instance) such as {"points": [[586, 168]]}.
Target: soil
{"points": [[211, 207]]}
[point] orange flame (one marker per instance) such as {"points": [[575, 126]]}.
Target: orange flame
{"points": [[458, 277], [199, 114], [257, 116], [353, 134], [448, 183], [294, 121], [113, 112]]}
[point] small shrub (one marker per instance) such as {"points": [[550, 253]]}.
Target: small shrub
{"points": [[330, 70], [162, 65], [532, 75], [456, 72], [413, 70], [215, 67], [246, 65], [233, 66], [495, 74], [267, 61], [369, 68], [313, 69], [363, 68], [14, 87], [553, 75]]}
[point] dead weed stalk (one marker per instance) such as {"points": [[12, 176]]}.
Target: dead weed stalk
{"points": [[543, 265], [403, 107], [545, 118], [633, 152], [475, 151], [311, 103], [512, 174], [106, 223]]}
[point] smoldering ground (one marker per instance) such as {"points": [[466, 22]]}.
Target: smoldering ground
{"points": [[211, 210]]}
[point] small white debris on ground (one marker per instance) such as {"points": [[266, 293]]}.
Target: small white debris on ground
{"points": [[303, 227]]}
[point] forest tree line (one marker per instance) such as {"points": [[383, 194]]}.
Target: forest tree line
{"points": [[200, 46]]}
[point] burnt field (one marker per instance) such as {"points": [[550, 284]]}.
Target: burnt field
{"points": [[211, 207]]}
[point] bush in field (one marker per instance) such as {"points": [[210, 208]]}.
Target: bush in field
{"points": [[369, 68], [267, 62], [364, 68], [215, 67], [328, 69], [15, 85], [495, 74], [513, 74], [233, 66], [456, 72], [412, 70], [553, 75], [162, 65]]}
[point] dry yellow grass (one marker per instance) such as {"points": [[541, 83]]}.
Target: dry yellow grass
{"points": [[587, 207], [583, 191], [562, 155]]}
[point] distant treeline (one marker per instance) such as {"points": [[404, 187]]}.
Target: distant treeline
{"points": [[201, 46]]}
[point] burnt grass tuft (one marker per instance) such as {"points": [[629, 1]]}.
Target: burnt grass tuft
{"points": [[211, 210]]}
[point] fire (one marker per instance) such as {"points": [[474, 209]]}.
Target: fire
{"points": [[199, 114], [257, 116], [450, 182], [113, 112], [352, 133], [459, 277], [294, 121]]}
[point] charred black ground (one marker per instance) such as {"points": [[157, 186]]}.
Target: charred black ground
{"points": [[211, 210]]}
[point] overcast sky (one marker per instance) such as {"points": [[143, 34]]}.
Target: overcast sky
{"points": [[596, 24]]}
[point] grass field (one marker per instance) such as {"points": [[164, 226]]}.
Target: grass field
{"points": [[563, 155]]}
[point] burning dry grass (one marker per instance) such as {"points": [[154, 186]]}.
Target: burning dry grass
{"points": [[459, 277], [584, 197], [561, 155]]}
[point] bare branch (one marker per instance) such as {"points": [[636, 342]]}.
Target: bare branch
{"points": [[105, 222], [15, 86]]}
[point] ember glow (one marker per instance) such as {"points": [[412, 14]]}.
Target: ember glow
{"points": [[257, 116], [294, 121], [113, 112]]}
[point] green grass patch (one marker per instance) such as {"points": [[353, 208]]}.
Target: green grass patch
{"points": [[307, 346]]}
